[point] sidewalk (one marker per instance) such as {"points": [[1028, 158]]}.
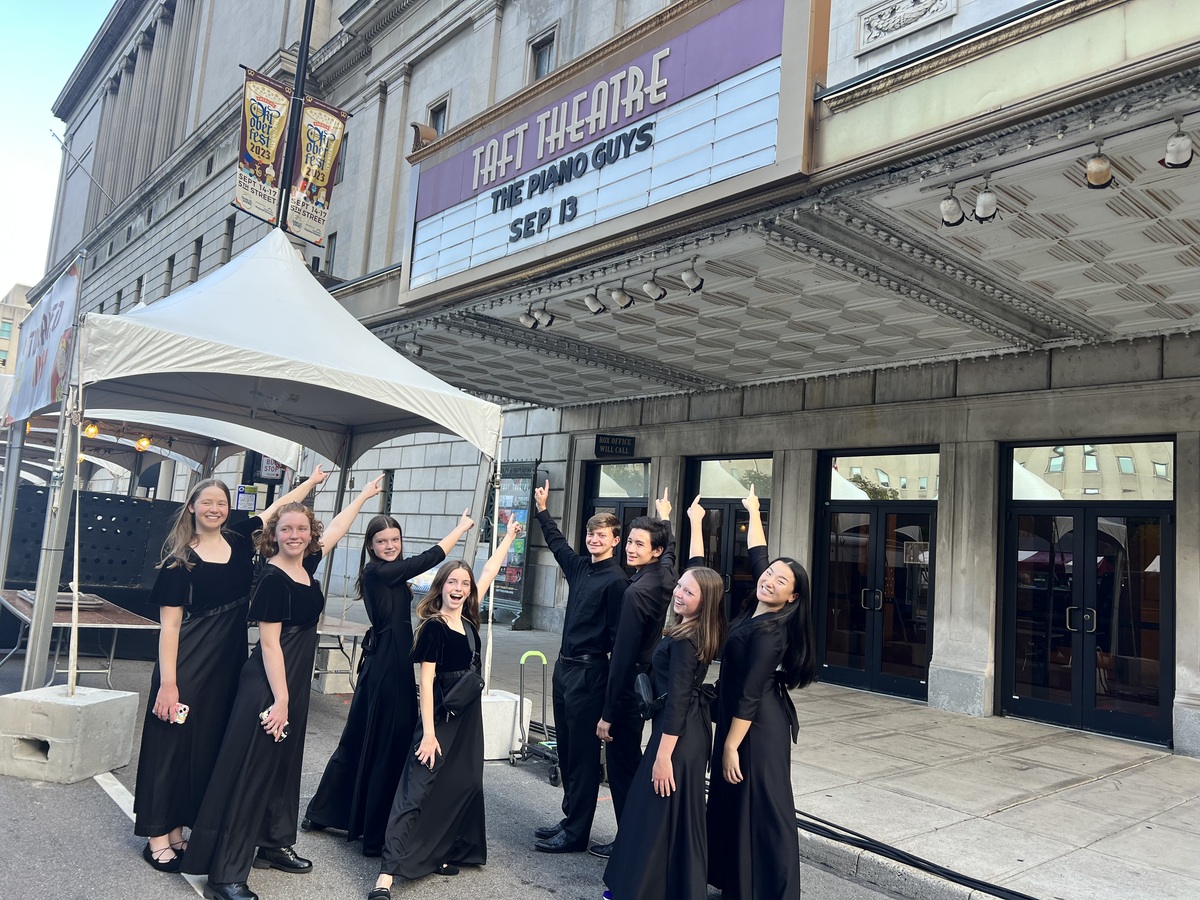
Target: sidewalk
{"points": [[1045, 811]]}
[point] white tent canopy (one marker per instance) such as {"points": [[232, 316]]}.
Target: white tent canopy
{"points": [[260, 343], [841, 489]]}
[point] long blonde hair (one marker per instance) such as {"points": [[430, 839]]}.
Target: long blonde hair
{"points": [[176, 548], [707, 630], [430, 606]]}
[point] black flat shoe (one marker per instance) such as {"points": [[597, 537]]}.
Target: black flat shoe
{"points": [[547, 831], [235, 890], [446, 869], [307, 824], [171, 864], [372, 851], [282, 858], [560, 843], [380, 894], [604, 851]]}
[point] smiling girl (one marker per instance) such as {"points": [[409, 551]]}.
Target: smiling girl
{"points": [[360, 780], [202, 590], [254, 795], [661, 850], [751, 811], [437, 818]]}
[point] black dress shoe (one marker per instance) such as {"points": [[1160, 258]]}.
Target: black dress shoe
{"points": [[547, 831], [170, 863], [446, 869], [560, 843], [282, 858], [236, 890], [307, 824], [604, 851]]}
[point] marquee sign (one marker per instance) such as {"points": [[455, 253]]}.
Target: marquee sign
{"points": [[701, 107]]}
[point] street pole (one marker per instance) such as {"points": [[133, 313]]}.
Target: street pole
{"points": [[294, 114], [8, 502]]}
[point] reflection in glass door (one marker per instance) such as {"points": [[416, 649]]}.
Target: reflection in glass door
{"points": [[1088, 611], [874, 596]]}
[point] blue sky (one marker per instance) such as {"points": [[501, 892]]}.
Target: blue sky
{"points": [[42, 42]]}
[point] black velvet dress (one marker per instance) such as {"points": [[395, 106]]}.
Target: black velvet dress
{"points": [[661, 850], [360, 780], [438, 814], [754, 851], [176, 761], [254, 797]]}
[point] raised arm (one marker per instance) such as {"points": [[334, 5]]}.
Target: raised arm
{"points": [[495, 562], [755, 537], [336, 530], [663, 508], [695, 514], [465, 524], [298, 493]]}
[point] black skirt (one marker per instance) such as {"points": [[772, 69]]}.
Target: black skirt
{"points": [[175, 762], [438, 814], [754, 853], [360, 780], [254, 797]]}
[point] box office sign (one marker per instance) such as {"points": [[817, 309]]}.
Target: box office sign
{"points": [[614, 445], [700, 107]]}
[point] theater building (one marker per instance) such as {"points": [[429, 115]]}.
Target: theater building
{"points": [[924, 275]]}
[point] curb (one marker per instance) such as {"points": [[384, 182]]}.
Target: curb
{"points": [[875, 871]]}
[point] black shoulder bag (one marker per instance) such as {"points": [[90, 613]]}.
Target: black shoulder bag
{"points": [[469, 686]]}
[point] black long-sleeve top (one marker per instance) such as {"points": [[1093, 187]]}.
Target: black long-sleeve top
{"points": [[677, 673], [593, 597], [643, 611], [387, 596]]}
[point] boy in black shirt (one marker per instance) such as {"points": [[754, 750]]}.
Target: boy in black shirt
{"points": [[596, 585]]}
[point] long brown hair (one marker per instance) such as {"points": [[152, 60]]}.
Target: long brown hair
{"points": [[430, 606], [707, 630], [176, 548], [265, 541]]}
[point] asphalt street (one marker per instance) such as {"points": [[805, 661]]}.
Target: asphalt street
{"points": [[76, 841]]}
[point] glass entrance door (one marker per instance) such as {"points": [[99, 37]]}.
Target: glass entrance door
{"points": [[726, 524], [1088, 617], [874, 595]]}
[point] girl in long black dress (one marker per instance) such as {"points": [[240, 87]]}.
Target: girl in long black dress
{"points": [[755, 854], [202, 589], [437, 819], [253, 798], [661, 850], [360, 779]]}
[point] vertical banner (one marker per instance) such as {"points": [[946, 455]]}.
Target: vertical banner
{"points": [[322, 128], [44, 348], [264, 121]]}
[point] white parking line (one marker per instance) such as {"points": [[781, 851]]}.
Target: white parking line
{"points": [[121, 796]]}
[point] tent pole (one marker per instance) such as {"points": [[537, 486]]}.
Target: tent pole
{"points": [[342, 463], [76, 450], [8, 504], [487, 674], [478, 504]]}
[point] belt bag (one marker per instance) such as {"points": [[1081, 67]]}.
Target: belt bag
{"points": [[643, 691], [469, 687]]}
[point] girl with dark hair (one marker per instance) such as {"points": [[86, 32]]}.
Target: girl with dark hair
{"points": [[360, 780], [253, 798], [751, 811], [661, 850], [437, 818], [202, 589]]}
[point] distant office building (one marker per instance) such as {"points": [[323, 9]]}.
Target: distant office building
{"points": [[13, 309]]}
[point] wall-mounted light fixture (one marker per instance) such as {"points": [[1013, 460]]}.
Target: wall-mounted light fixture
{"points": [[544, 317], [1179, 148], [691, 278], [592, 302], [653, 289], [1099, 170], [621, 297], [986, 204], [951, 210]]}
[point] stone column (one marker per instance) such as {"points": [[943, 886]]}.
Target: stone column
{"points": [[667, 472], [1186, 730], [487, 25], [396, 245], [794, 506], [962, 671], [379, 98], [100, 158]]}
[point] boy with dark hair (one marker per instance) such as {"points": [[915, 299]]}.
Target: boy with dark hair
{"points": [[650, 549], [596, 585]]}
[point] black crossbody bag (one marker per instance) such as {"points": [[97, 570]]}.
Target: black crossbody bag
{"points": [[469, 687]]}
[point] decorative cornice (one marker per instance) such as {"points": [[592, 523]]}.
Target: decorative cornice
{"points": [[965, 52]]}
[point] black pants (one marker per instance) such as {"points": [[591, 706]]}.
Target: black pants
{"points": [[623, 755], [578, 704]]}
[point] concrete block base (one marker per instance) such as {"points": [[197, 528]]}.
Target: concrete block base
{"points": [[1186, 725], [955, 690], [48, 736], [501, 728]]}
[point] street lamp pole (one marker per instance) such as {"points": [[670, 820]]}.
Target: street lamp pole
{"points": [[294, 109]]}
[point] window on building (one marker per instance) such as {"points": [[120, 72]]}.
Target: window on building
{"points": [[903, 483], [882, 477], [5, 330], [856, 471], [110, 248], [137, 291], [923, 483], [1091, 490], [208, 167], [168, 276], [128, 233], [1160, 470], [1103, 469], [1125, 465], [3, 359], [330, 252], [542, 57], [101, 307], [149, 215], [437, 116], [227, 243], [197, 252], [182, 187], [1090, 463], [1057, 460], [343, 151], [117, 305]]}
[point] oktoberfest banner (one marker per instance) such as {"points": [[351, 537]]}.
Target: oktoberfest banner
{"points": [[322, 130], [260, 154], [44, 348]]}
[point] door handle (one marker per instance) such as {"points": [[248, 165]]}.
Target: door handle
{"points": [[1090, 616], [1068, 618], [728, 584], [862, 598], [879, 598]]}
